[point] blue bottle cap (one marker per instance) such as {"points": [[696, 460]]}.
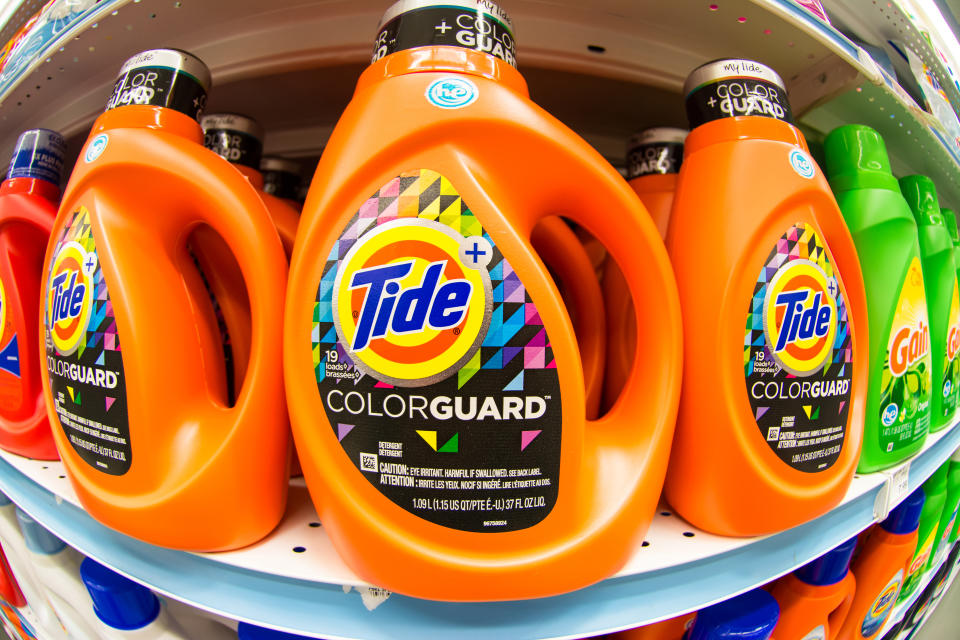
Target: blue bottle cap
{"points": [[39, 154], [38, 539], [830, 568], [749, 616], [247, 631], [119, 602], [905, 517]]}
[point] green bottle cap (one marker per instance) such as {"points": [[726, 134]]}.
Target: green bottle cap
{"points": [[950, 219], [921, 195], [856, 158]]}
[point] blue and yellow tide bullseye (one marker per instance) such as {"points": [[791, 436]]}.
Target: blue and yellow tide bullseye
{"points": [[70, 296], [800, 317], [405, 307]]}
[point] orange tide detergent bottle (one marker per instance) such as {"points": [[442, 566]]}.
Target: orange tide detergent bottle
{"points": [[771, 412], [879, 569], [144, 430], [654, 157], [28, 206], [435, 388], [281, 178], [239, 140], [653, 160], [816, 598], [671, 629]]}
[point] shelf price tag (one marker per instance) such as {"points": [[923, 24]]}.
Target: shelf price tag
{"points": [[893, 492]]}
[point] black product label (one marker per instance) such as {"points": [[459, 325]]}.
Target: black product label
{"points": [[234, 146], [281, 184], [161, 87], [433, 365], [654, 158], [450, 26], [797, 356], [84, 363], [731, 97]]}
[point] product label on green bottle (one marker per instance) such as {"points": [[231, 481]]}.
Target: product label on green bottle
{"points": [[951, 363], [882, 607], [84, 362], [921, 557], [798, 354], [906, 379], [436, 372]]}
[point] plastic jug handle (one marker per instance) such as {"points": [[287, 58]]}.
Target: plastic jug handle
{"points": [[839, 615], [254, 243], [562, 252], [597, 198]]}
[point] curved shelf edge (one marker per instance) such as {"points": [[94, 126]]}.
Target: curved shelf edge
{"points": [[307, 607]]}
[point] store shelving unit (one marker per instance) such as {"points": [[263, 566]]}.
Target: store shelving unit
{"points": [[295, 581], [606, 68], [887, 20]]}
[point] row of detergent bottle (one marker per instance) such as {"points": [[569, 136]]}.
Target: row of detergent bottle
{"points": [[438, 342], [50, 591], [850, 592]]}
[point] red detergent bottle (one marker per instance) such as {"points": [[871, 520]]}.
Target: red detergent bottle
{"points": [[28, 206]]}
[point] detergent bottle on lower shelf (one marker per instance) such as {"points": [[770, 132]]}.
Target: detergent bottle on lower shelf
{"points": [[750, 616], [147, 435], [28, 207], [948, 518], [672, 629], [879, 569], [653, 160], [954, 477], [943, 298], [816, 598], [281, 179], [125, 609], [419, 278], [57, 566], [38, 613], [935, 496], [884, 230], [771, 414], [247, 631]]}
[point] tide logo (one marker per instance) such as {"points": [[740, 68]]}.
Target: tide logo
{"points": [[412, 301], [70, 296], [907, 346], [800, 317], [885, 600]]}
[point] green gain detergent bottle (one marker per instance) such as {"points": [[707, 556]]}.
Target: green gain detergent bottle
{"points": [[885, 233], [950, 219], [948, 517], [943, 297], [935, 490]]}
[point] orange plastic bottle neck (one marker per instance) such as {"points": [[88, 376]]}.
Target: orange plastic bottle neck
{"points": [[443, 59], [742, 128], [149, 117], [31, 186]]}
